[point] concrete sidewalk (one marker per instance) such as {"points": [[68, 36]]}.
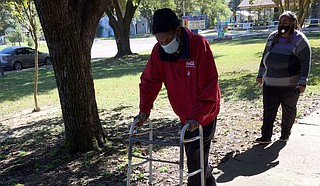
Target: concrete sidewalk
{"points": [[295, 163]]}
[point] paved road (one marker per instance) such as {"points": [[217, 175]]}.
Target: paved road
{"points": [[108, 48]]}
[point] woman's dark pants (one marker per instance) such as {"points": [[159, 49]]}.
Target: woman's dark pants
{"points": [[273, 97]]}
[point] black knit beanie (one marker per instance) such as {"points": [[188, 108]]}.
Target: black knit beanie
{"points": [[164, 20]]}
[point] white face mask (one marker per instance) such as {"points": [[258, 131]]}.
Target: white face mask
{"points": [[172, 47]]}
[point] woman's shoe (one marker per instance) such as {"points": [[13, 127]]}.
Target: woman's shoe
{"points": [[263, 140]]}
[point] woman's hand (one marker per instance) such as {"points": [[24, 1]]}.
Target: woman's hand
{"points": [[259, 80], [301, 88]]}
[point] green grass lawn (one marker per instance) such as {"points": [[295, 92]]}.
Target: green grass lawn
{"points": [[238, 62], [34, 152], [116, 81]]}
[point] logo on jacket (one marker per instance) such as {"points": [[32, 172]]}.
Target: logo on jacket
{"points": [[190, 64]]}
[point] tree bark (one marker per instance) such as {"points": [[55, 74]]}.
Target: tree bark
{"points": [[121, 33], [120, 23], [33, 28], [304, 6], [36, 73], [69, 28]]}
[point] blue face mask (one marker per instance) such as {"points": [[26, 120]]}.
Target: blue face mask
{"points": [[172, 47]]}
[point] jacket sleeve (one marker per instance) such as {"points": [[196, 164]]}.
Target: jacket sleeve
{"points": [[269, 44], [208, 95], [151, 83], [262, 68], [304, 55]]}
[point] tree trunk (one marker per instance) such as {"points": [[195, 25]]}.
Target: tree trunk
{"points": [[33, 31], [279, 5], [36, 74], [121, 33], [313, 13], [120, 23], [69, 28], [304, 6]]}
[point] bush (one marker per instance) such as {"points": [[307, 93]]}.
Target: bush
{"points": [[14, 37], [30, 42]]}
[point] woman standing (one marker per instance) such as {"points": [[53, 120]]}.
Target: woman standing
{"points": [[284, 71]]}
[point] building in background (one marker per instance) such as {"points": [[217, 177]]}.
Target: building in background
{"points": [[260, 12], [137, 26], [105, 28]]}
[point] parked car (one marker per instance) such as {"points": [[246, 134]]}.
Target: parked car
{"points": [[18, 57]]}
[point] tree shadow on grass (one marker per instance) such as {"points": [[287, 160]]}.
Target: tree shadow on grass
{"points": [[20, 83], [239, 86], [113, 67], [34, 153], [30, 150]]}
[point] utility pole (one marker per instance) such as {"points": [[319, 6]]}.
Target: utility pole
{"points": [[183, 8], [235, 10]]}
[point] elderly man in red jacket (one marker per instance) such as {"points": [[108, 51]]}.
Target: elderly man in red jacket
{"points": [[184, 63]]}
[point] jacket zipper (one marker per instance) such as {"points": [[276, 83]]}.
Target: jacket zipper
{"points": [[177, 68]]}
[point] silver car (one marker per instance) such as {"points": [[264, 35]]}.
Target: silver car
{"points": [[18, 57]]}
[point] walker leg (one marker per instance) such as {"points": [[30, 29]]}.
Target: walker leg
{"points": [[131, 133], [182, 141], [129, 161], [150, 154], [201, 155], [183, 131], [181, 163]]}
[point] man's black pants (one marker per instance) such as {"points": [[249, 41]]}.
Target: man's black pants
{"points": [[273, 97], [193, 153]]}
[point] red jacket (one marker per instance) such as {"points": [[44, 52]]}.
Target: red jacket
{"points": [[191, 80]]}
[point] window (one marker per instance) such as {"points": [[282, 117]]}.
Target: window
{"points": [[20, 51], [30, 51]]}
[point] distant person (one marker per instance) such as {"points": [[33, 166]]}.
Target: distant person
{"points": [[184, 63], [284, 71]]}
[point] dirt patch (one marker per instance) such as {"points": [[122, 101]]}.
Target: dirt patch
{"points": [[32, 151]]}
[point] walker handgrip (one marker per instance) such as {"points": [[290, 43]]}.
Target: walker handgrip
{"points": [[191, 139], [183, 131], [132, 126]]}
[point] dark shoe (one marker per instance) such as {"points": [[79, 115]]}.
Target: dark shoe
{"points": [[284, 138], [210, 181], [263, 140]]}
